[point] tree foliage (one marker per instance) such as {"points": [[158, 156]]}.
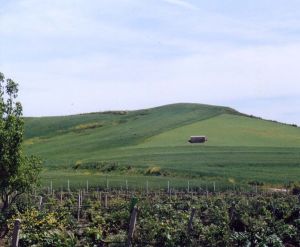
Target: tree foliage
{"points": [[18, 173]]}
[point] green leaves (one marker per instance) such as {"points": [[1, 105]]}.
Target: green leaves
{"points": [[162, 222], [18, 173], [11, 88]]}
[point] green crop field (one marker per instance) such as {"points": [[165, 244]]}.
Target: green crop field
{"points": [[152, 145]]}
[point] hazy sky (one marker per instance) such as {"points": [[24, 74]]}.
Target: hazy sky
{"points": [[75, 56]]}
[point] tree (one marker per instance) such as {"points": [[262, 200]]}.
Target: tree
{"points": [[19, 173]]}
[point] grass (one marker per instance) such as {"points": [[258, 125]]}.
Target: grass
{"points": [[231, 130], [152, 145], [80, 179]]}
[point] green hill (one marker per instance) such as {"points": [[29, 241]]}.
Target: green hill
{"points": [[231, 130], [97, 131], [134, 142]]}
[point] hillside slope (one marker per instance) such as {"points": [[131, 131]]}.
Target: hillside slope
{"points": [[230, 130], [238, 145], [173, 115], [96, 131]]}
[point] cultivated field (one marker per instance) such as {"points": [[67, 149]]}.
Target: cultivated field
{"points": [[151, 145], [160, 218]]}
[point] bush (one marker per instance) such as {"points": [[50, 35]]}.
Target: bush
{"points": [[155, 170], [295, 189]]}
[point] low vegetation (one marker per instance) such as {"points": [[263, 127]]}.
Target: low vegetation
{"points": [[163, 219]]}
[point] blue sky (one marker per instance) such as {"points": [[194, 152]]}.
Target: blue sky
{"points": [[75, 56]]}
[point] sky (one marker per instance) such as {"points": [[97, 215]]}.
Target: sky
{"points": [[78, 56]]}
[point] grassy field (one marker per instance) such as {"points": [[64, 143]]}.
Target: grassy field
{"points": [[231, 130], [151, 145]]}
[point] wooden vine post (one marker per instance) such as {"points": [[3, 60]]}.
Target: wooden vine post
{"points": [[190, 225], [78, 206], [107, 184], [61, 197], [105, 201], [16, 233], [132, 226], [40, 203], [147, 188]]}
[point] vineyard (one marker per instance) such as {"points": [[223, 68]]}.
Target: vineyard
{"points": [[169, 217]]}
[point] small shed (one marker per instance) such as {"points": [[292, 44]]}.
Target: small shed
{"points": [[198, 139]]}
